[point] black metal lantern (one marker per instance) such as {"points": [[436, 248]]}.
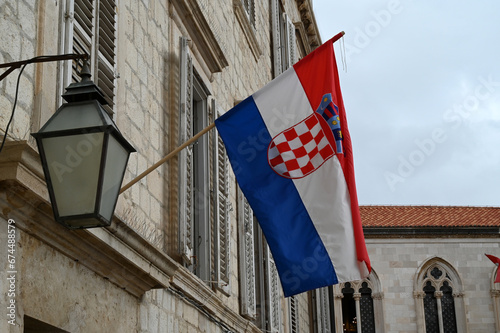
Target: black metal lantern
{"points": [[84, 157]]}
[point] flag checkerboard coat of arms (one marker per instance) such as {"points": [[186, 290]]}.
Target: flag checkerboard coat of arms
{"points": [[301, 149], [290, 150]]}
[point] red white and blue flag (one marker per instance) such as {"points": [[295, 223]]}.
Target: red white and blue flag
{"points": [[290, 150]]}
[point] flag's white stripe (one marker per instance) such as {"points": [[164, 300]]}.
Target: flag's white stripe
{"points": [[328, 206], [330, 210], [283, 103]]}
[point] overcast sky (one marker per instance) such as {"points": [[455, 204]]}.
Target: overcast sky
{"points": [[422, 96]]}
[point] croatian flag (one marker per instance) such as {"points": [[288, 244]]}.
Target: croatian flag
{"points": [[290, 149]]}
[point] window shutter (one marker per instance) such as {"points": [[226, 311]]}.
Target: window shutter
{"points": [[104, 72], [274, 295], [221, 204], [186, 155], [249, 6], [91, 29], [293, 314], [276, 31], [323, 312], [247, 257]]}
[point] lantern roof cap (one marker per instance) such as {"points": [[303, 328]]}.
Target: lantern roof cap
{"points": [[84, 90]]}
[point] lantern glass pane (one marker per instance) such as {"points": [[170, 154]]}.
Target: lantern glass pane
{"points": [[75, 115], [74, 163], [116, 161]]}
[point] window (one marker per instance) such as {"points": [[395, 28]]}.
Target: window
{"points": [[204, 228], [90, 27], [349, 307], [194, 194], [284, 39], [439, 298]]}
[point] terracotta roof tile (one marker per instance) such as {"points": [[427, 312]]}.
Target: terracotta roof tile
{"points": [[429, 216]]}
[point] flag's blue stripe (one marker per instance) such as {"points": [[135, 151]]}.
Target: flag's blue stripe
{"points": [[300, 256]]}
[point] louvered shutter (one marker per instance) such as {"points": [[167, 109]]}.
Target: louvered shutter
{"points": [[249, 6], [83, 31], [276, 37], [293, 314], [291, 43], [247, 257], [323, 310], [186, 219], [104, 70], [274, 295], [221, 205], [91, 29]]}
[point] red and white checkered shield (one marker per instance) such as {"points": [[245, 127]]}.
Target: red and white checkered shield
{"points": [[302, 148]]}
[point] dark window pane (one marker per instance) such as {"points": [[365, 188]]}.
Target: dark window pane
{"points": [[366, 308], [448, 306], [349, 309], [430, 308]]}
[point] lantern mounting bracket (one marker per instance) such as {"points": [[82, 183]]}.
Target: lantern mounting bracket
{"points": [[18, 64]]}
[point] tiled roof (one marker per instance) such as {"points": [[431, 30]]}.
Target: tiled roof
{"points": [[429, 216]]}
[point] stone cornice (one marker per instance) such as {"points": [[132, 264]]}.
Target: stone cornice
{"points": [[191, 17], [198, 291], [309, 21]]}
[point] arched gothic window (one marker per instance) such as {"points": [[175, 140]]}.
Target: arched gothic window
{"points": [[358, 306], [439, 298]]}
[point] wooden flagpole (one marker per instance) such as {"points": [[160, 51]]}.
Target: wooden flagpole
{"points": [[187, 143], [166, 158]]}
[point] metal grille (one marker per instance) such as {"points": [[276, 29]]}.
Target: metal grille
{"points": [[430, 308], [366, 308], [448, 307]]}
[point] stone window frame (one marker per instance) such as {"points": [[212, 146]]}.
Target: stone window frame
{"points": [[204, 189], [452, 278]]}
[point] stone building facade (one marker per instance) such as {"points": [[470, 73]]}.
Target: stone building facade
{"points": [[183, 253], [176, 257]]}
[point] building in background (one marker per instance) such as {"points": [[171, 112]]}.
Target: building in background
{"points": [[184, 253], [429, 274]]}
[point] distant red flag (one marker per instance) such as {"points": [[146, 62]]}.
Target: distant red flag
{"points": [[496, 261]]}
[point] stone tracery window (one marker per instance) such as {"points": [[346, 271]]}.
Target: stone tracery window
{"points": [[439, 298], [358, 307]]}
